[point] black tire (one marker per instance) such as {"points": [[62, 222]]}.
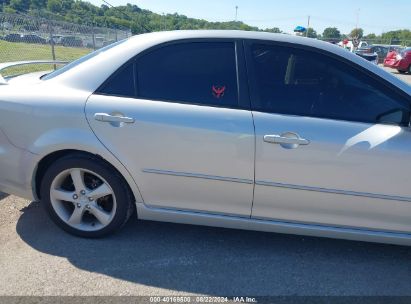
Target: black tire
{"points": [[401, 72], [409, 69], [124, 198]]}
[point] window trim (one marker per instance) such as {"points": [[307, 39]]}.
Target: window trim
{"points": [[243, 97], [248, 43]]}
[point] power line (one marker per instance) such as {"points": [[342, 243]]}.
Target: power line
{"points": [[127, 15]]}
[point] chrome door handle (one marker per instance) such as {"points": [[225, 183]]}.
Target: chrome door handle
{"points": [[288, 140], [104, 117], [277, 139]]}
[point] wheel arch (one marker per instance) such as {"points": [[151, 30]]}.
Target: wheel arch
{"points": [[44, 163]]}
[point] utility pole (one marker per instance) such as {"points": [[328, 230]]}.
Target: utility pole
{"points": [[52, 42], [164, 22], [93, 35], [236, 13], [308, 26], [357, 19]]}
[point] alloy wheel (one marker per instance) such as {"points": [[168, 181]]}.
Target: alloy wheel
{"points": [[83, 199]]}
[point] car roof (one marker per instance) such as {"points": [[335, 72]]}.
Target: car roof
{"points": [[235, 34], [92, 73]]}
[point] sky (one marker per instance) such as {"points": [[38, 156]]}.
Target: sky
{"points": [[374, 16]]}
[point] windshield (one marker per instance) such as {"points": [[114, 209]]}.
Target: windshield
{"points": [[80, 60]]}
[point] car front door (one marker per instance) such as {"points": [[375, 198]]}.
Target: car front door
{"points": [[333, 146], [175, 117]]}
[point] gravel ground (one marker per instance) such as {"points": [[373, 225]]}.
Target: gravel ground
{"points": [[404, 77], [148, 258]]}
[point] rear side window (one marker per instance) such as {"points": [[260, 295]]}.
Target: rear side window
{"points": [[301, 82], [121, 83], [201, 73]]}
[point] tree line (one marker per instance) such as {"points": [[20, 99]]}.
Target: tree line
{"points": [[141, 20], [392, 37], [128, 16]]}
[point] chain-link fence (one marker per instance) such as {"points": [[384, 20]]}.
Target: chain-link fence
{"points": [[28, 38]]}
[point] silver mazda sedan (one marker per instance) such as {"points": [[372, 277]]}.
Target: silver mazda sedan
{"points": [[222, 128]]}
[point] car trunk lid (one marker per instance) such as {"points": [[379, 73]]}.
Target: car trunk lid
{"points": [[26, 77]]}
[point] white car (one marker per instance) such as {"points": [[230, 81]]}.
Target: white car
{"points": [[222, 128]]}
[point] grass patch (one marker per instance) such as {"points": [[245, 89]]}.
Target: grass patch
{"points": [[17, 51]]}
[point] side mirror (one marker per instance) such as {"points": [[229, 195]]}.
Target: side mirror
{"points": [[396, 116]]}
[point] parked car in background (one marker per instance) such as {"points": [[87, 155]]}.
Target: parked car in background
{"points": [[31, 38], [234, 129], [396, 48], [380, 50], [13, 37], [26, 38], [99, 41], [401, 61], [105, 43], [71, 41], [368, 55], [390, 59], [56, 39]]}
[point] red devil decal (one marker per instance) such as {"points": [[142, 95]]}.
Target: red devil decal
{"points": [[218, 91]]}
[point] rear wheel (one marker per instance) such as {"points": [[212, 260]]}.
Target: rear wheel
{"points": [[85, 196], [401, 72], [409, 69]]}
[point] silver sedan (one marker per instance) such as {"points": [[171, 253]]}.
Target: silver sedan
{"points": [[222, 128]]}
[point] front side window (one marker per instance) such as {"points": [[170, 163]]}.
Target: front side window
{"points": [[301, 82], [201, 73]]}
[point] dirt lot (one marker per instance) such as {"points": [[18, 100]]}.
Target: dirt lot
{"points": [[147, 258]]}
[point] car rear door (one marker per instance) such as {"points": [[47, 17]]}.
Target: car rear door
{"points": [[333, 143], [177, 117]]}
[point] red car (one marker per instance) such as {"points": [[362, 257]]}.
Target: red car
{"points": [[399, 61]]}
